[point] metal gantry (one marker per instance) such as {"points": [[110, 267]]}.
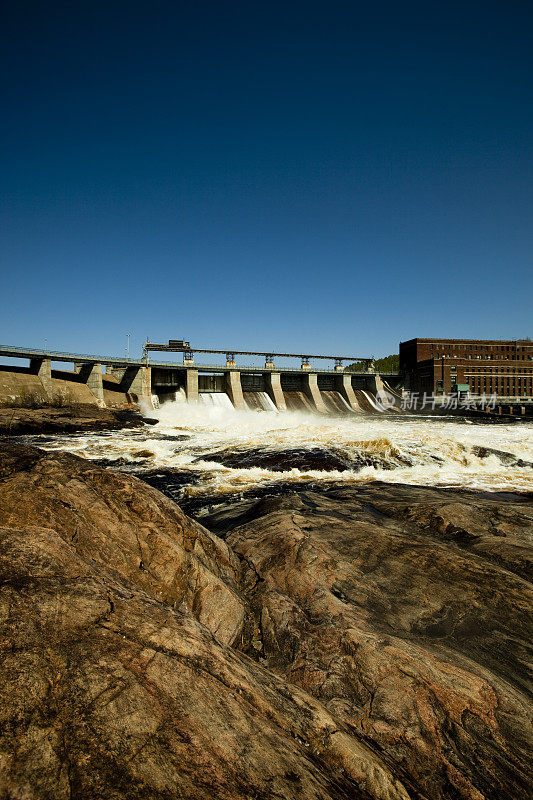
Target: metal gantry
{"points": [[181, 346]]}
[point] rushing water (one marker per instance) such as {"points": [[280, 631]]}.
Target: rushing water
{"points": [[259, 447]]}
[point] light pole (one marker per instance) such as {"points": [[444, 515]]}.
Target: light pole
{"points": [[128, 345]]}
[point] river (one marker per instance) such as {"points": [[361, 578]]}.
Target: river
{"points": [[212, 449]]}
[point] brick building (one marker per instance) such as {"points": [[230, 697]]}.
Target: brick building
{"points": [[490, 366]]}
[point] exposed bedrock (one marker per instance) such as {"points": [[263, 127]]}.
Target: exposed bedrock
{"points": [[66, 419], [406, 612], [327, 459], [118, 679], [127, 529], [358, 643]]}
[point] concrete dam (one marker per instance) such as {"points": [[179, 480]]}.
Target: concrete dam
{"points": [[153, 381]]}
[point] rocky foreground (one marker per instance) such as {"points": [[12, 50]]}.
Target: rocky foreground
{"points": [[16, 421], [366, 642]]}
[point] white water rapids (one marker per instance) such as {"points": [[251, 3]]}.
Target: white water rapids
{"points": [[429, 451]]}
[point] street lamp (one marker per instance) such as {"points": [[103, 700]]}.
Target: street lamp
{"points": [[128, 345]]}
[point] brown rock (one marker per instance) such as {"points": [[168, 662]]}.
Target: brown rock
{"points": [[118, 681], [128, 529], [359, 642], [406, 612], [67, 419]]}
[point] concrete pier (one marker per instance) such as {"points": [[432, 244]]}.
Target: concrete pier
{"points": [[274, 390], [345, 389], [141, 384], [313, 392], [91, 374], [191, 385], [234, 389], [42, 367], [135, 380], [374, 383]]}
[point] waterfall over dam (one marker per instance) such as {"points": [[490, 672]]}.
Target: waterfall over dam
{"points": [[215, 390], [293, 390]]}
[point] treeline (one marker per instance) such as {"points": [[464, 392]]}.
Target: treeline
{"points": [[386, 364]]}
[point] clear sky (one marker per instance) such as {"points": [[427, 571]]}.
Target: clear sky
{"points": [[320, 176]]}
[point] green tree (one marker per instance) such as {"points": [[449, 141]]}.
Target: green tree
{"points": [[386, 364]]}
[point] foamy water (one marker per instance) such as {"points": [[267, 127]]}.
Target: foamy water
{"points": [[429, 451]]}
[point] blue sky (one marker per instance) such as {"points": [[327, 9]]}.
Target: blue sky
{"points": [[312, 176]]}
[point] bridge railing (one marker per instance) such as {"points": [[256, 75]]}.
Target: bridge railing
{"points": [[13, 351], [26, 352]]}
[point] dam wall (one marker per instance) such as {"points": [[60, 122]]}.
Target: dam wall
{"points": [[118, 382], [87, 384], [20, 386], [320, 393]]}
